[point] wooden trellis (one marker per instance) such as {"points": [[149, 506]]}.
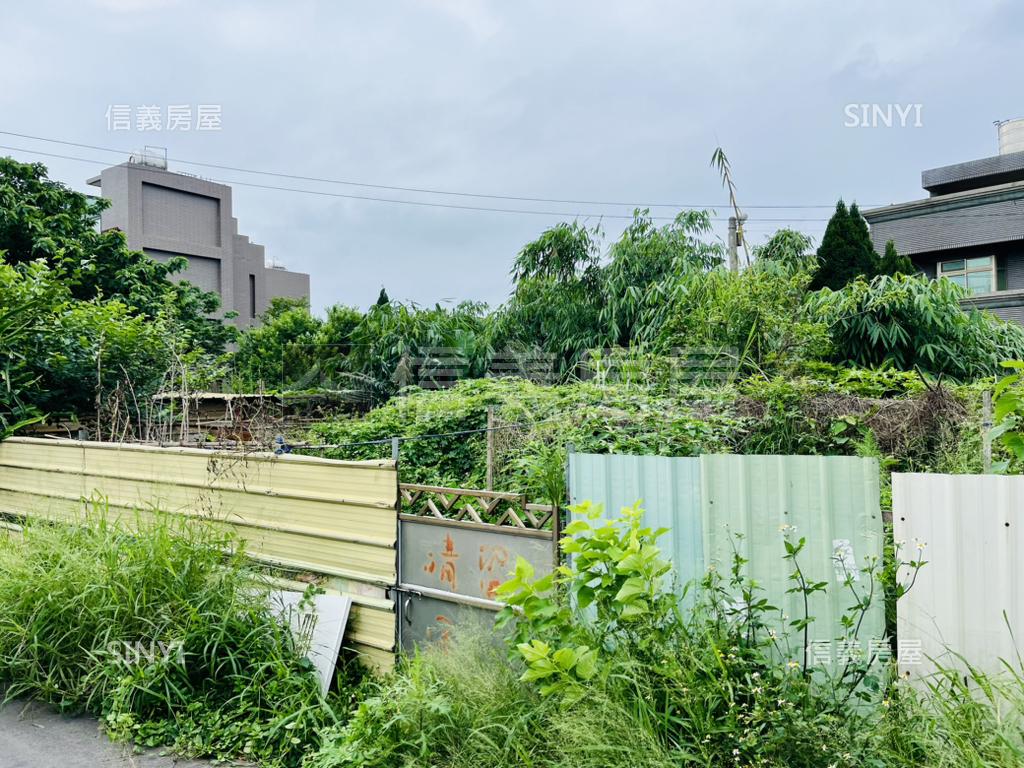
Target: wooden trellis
{"points": [[475, 506]]}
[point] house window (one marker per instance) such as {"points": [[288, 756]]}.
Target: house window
{"points": [[252, 296], [977, 275]]}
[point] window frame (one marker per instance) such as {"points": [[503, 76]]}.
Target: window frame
{"points": [[966, 270]]}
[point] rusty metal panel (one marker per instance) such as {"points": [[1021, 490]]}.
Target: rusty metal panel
{"points": [[968, 599], [427, 619], [306, 513], [450, 570], [468, 561], [832, 501]]}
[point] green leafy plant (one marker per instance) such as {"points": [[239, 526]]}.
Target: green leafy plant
{"points": [[913, 322], [617, 570], [1008, 412]]}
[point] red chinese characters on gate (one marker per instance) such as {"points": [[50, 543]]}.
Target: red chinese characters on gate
{"points": [[493, 564], [444, 564], [492, 567]]}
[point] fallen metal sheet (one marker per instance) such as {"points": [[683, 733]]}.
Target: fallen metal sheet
{"points": [[318, 626]]}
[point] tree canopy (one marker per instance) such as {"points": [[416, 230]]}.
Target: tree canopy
{"points": [[845, 252], [82, 316]]}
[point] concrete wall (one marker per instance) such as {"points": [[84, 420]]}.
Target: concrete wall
{"points": [[939, 225], [170, 214]]}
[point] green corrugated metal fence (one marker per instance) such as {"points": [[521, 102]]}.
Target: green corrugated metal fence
{"points": [[832, 501]]}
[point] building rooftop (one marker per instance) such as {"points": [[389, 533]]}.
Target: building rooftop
{"points": [[986, 172]]}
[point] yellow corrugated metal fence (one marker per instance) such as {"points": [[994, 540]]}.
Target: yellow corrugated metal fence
{"points": [[337, 518]]}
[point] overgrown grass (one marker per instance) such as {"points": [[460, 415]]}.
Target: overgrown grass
{"points": [[463, 706], [643, 410], [159, 628]]}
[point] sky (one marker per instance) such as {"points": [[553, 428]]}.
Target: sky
{"points": [[620, 102]]}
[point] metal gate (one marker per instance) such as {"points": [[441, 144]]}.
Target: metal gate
{"points": [[456, 546]]}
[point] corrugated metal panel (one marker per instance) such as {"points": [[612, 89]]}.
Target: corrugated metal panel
{"points": [[972, 529], [668, 488], [831, 501], [332, 517]]}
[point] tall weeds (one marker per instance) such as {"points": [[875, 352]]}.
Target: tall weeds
{"points": [[159, 629]]}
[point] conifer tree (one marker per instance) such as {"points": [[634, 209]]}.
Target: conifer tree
{"points": [[846, 251], [894, 264]]}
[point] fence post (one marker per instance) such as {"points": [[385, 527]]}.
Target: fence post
{"points": [[396, 593], [986, 429], [556, 520], [490, 447]]}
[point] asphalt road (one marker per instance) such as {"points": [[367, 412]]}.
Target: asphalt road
{"points": [[33, 736]]}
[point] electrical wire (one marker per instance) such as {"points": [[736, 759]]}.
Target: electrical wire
{"points": [[418, 190], [487, 209]]}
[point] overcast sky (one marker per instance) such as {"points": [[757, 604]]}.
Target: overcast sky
{"points": [[601, 101]]}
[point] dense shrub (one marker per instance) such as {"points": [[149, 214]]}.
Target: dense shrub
{"points": [[613, 417], [755, 319], [568, 300], [84, 320], [281, 353], [44, 221], [25, 299], [641, 408], [913, 322]]}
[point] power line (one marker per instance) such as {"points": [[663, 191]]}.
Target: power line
{"points": [[455, 206], [419, 190], [423, 203]]}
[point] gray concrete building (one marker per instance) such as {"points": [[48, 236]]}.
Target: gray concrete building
{"points": [[971, 227], [169, 214]]}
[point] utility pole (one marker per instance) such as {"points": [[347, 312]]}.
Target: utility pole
{"points": [[736, 239]]}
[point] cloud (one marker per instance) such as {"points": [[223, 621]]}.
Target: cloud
{"points": [[573, 100]]}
